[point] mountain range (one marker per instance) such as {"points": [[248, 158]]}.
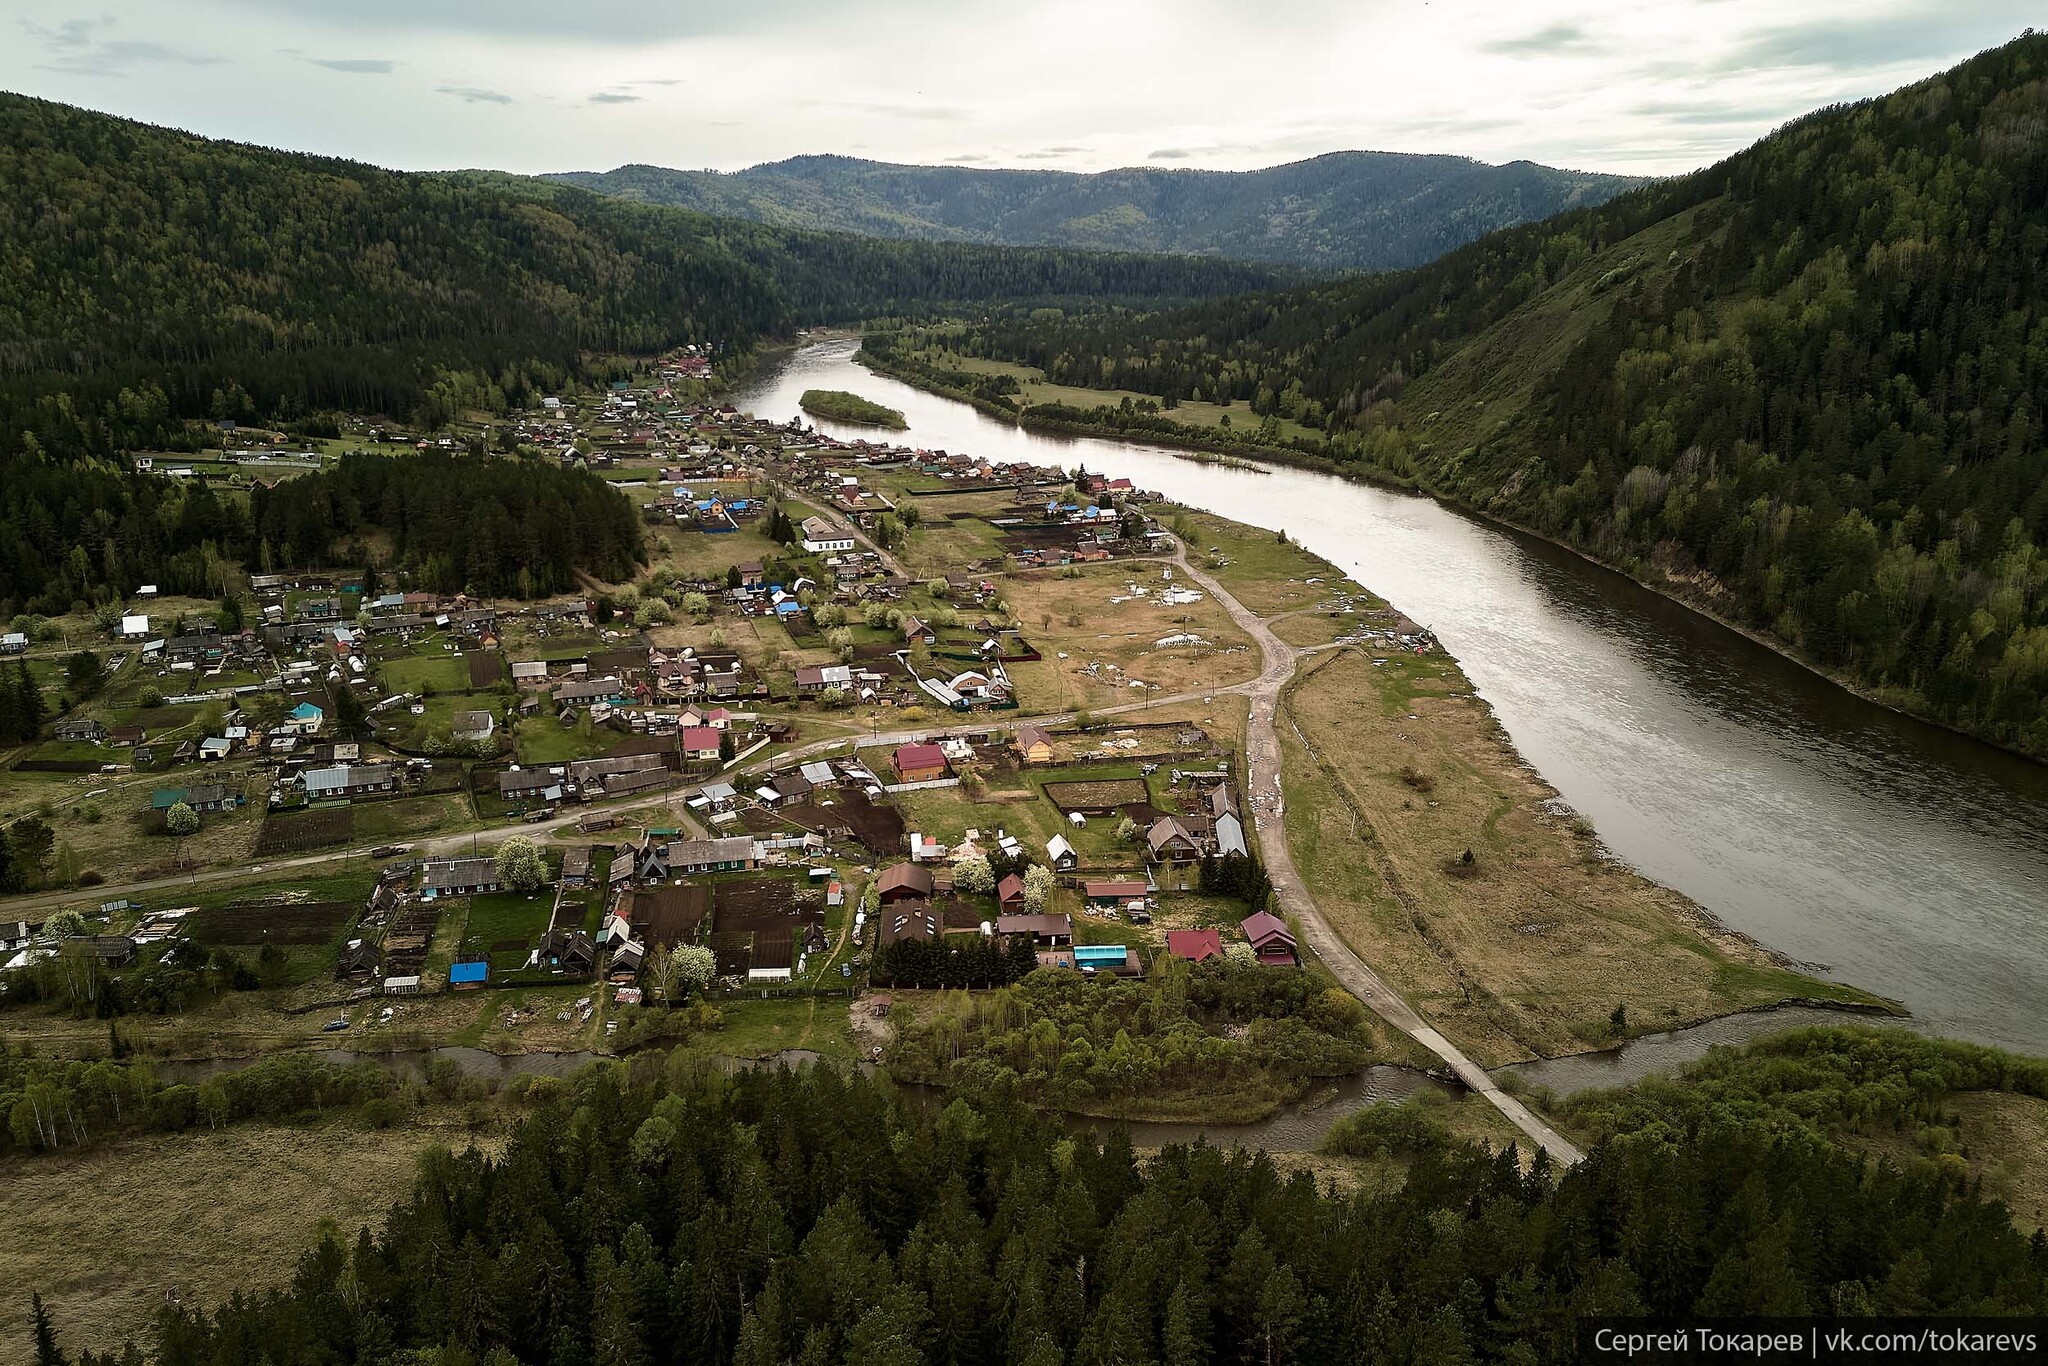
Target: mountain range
{"points": [[1344, 211]]}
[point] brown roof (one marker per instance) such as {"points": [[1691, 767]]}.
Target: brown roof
{"points": [[908, 920], [1037, 926], [904, 877]]}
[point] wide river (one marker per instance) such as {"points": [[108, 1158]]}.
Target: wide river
{"points": [[1894, 855]]}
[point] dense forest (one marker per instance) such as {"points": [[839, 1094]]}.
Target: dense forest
{"points": [[1343, 211], [1806, 386], [658, 1213], [150, 277], [497, 527]]}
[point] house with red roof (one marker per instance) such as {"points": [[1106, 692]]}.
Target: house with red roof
{"points": [[1196, 946], [1271, 940], [919, 763]]}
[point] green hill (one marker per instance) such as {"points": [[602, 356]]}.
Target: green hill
{"points": [[149, 276], [1805, 387], [1344, 211]]}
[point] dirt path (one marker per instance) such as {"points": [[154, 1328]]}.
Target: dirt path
{"points": [[1268, 802]]}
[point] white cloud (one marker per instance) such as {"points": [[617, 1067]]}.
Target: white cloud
{"points": [[532, 85]]}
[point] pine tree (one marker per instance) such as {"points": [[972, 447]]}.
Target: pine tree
{"points": [[47, 1352]]}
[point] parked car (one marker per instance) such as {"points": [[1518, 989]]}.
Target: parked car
{"points": [[335, 1026]]}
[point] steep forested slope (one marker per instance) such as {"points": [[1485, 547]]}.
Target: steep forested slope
{"points": [[1343, 211], [1806, 385]]}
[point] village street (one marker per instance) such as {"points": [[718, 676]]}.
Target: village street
{"points": [[1263, 793]]}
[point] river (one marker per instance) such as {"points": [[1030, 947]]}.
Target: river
{"points": [[1872, 848]]}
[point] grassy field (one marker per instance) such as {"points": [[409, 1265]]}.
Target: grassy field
{"points": [[1392, 773], [760, 1029], [440, 672], [108, 1235], [1266, 574], [1110, 643], [504, 918], [544, 740], [102, 818], [1034, 388]]}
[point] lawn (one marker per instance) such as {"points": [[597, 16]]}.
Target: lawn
{"points": [[760, 1029], [439, 673], [544, 740], [1528, 949], [495, 919]]}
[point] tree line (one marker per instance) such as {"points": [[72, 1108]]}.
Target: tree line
{"points": [[659, 1213], [510, 527], [1807, 378]]}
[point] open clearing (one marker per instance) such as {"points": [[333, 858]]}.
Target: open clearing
{"points": [[197, 1214], [1392, 773], [1111, 635]]}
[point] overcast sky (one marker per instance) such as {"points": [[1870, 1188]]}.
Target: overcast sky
{"points": [[1650, 86]]}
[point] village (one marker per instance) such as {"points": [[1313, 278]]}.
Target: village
{"points": [[846, 734]]}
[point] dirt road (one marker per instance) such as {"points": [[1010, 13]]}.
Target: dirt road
{"points": [[1268, 802]]}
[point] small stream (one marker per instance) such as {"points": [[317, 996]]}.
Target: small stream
{"points": [[1293, 1128]]}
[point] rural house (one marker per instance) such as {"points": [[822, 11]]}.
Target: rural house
{"points": [[919, 763], [457, 877], [1034, 746], [1271, 940], [903, 882]]}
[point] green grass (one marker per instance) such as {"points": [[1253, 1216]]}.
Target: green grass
{"points": [[443, 673], [544, 740], [759, 1029], [504, 917], [842, 406]]}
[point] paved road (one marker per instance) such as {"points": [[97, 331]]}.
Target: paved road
{"points": [[1269, 804]]}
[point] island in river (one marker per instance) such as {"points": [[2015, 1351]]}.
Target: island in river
{"points": [[841, 406]]}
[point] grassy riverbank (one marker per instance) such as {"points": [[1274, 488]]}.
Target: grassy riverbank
{"points": [[1073, 411], [841, 406], [1393, 769]]}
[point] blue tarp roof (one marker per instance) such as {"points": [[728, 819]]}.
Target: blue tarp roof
{"points": [[468, 972]]}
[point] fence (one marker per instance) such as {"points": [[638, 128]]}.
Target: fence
{"points": [[925, 786]]}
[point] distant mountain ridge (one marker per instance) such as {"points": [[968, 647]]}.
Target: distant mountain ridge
{"points": [[1341, 211]]}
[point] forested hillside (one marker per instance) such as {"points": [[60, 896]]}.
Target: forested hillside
{"points": [[148, 277], [138, 256], [1805, 386], [1343, 211], [697, 1216]]}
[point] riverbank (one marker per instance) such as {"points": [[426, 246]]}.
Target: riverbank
{"points": [[1685, 591], [1447, 862]]}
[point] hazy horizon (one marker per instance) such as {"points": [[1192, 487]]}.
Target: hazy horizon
{"points": [[530, 87]]}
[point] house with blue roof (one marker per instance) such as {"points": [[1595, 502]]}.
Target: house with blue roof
{"points": [[307, 718]]}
